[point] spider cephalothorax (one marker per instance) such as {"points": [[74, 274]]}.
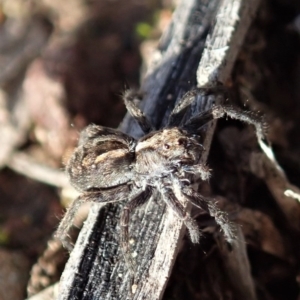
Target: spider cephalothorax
{"points": [[110, 166], [164, 151]]}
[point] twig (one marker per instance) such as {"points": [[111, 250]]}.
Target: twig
{"points": [[27, 166], [284, 193], [238, 267]]}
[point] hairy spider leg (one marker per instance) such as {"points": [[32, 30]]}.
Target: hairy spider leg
{"points": [[181, 107], [219, 111], [114, 194], [135, 112], [67, 221], [172, 202], [135, 200], [208, 205], [183, 104]]}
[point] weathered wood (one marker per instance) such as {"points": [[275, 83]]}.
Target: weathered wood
{"points": [[96, 269]]}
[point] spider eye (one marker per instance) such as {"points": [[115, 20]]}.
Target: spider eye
{"points": [[166, 146]]}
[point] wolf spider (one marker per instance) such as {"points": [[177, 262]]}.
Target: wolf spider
{"points": [[110, 166]]}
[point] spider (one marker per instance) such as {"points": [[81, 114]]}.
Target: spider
{"points": [[110, 166]]}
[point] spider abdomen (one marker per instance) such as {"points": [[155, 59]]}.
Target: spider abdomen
{"points": [[101, 163]]}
